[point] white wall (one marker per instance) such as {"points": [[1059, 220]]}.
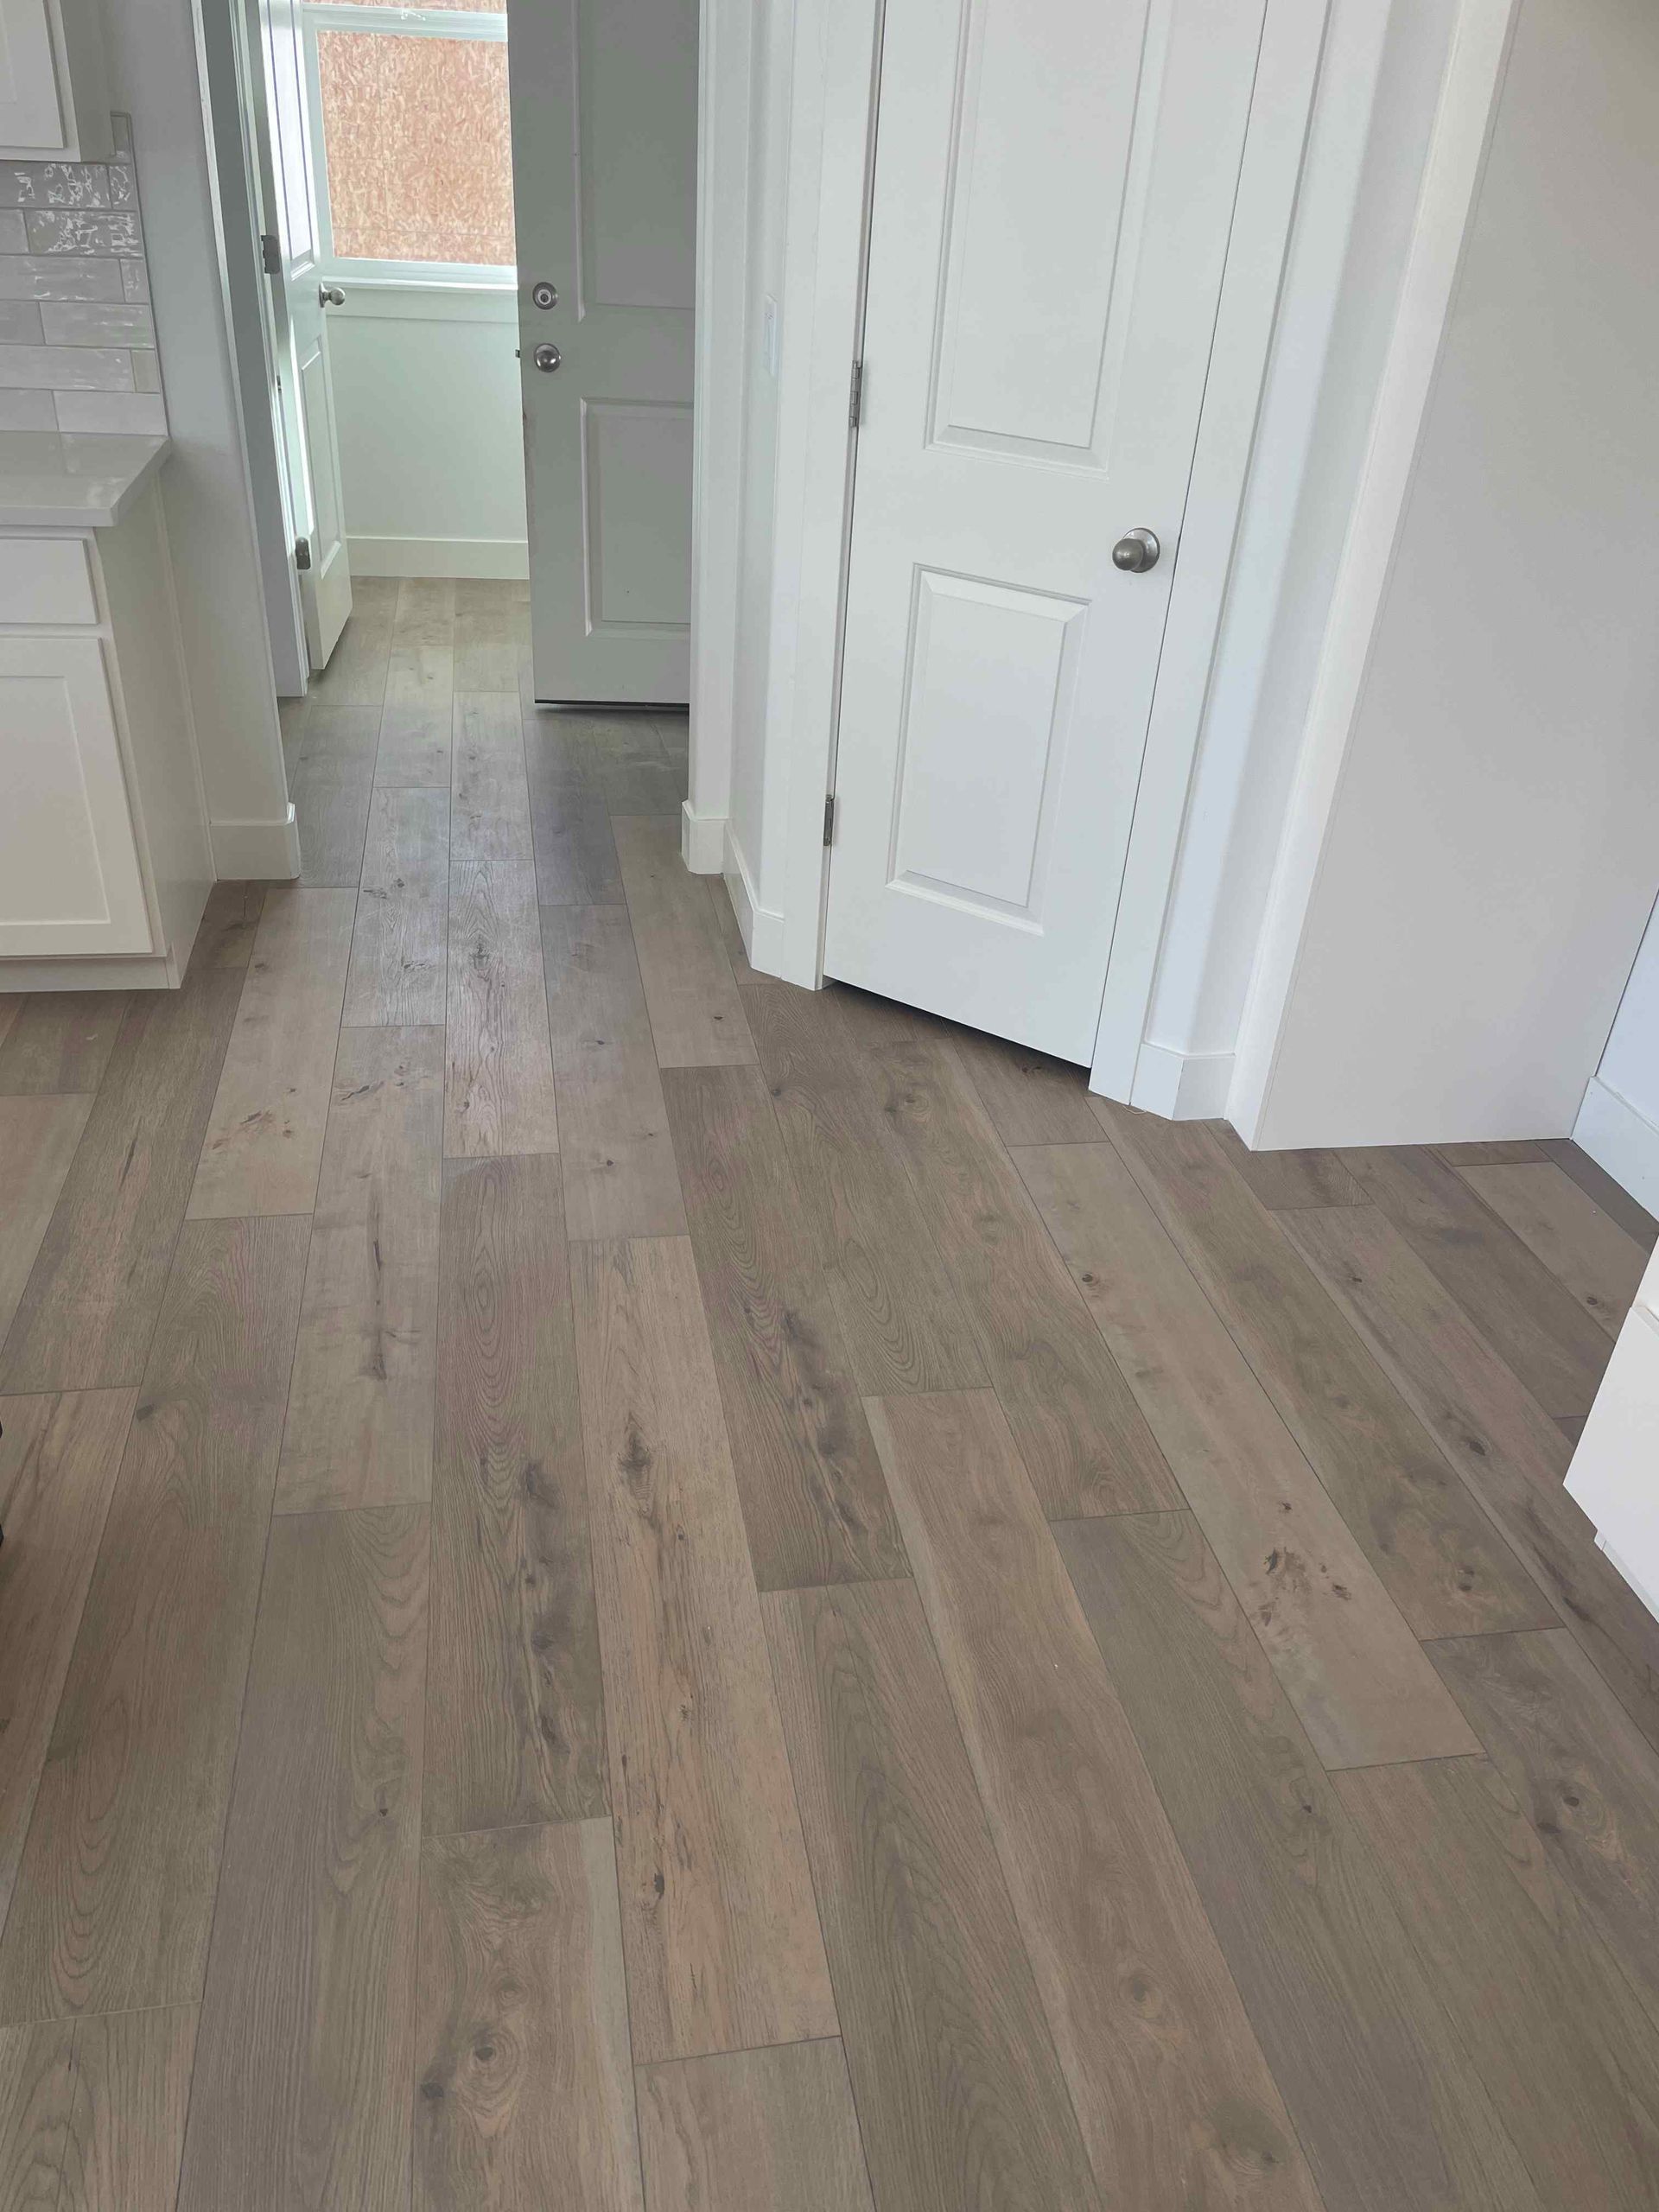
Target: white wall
{"points": [[152, 77], [431, 445], [1491, 852], [1618, 1121]]}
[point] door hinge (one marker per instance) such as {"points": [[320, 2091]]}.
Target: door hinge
{"points": [[302, 552], [855, 402], [270, 253], [830, 818]]}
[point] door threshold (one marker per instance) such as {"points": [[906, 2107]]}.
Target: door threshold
{"points": [[614, 706]]}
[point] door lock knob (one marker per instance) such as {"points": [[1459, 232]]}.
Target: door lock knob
{"points": [[1136, 552], [330, 295], [547, 357]]}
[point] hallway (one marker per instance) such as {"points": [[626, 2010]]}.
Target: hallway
{"points": [[628, 1588]]}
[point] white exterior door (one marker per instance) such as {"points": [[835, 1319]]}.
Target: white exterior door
{"points": [[604, 162], [1053, 189], [299, 321]]}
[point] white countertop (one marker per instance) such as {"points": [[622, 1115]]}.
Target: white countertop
{"points": [[76, 479]]}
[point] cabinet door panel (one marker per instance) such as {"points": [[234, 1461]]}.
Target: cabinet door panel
{"points": [[69, 874]]}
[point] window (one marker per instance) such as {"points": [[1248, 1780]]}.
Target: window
{"points": [[409, 138]]}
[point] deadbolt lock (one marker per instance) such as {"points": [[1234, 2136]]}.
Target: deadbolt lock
{"points": [[545, 294]]}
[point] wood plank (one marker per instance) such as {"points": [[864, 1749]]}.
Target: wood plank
{"points": [[39, 1136], [1584, 1776], [420, 668], [623, 759], [264, 1145], [1080, 1433], [58, 1462], [37, 2093], [356, 674], [1031, 1098], [696, 1015], [515, 1728], [905, 1327], [575, 852], [1614, 1199], [525, 2095], [1509, 1295], [1433, 1549], [753, 2130], [415, 749], [1171, 2090], [722, 1939], [1346, 1659], [90, 1307], [489, 796], [132, 2081], [1282, 1180], [229, 922], [1389, 2112], [359, 1404], [398, 972], [619, 1176], [961, 2097], [1584, 1249], [330, 775], [1489, 1155], [499, 1093], [60, 1041], [11, 1005], [1572, 1426], [115, 1894], [815, 1501], [1510, 1454], [486, 638], [1569, 2056], [306, 2045]]}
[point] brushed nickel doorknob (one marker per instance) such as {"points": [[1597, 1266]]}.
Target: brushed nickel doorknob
{"points": [[330, 295], [1136, 552], [547, 357]]}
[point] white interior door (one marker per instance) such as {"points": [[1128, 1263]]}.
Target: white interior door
{"points": [[604, 96], [1053, 189], [299, 322]]}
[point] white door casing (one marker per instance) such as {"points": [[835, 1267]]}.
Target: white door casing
{"points": [[604, 96], [299, 320], [1053, 189]]}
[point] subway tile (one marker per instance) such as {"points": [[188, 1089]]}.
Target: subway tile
{"points": [[95, 322], [129, 414], [124, 185], [39, 276], [67, 368], [134, 278], [146, 369], [14, 235], [19, 323], [54, 184], [76, 230], [27, 410]]}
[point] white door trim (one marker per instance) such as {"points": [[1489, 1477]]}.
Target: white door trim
{"points": [[1452, 174]]}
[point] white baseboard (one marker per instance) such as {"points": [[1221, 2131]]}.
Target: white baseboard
{"points": [[1181, 1086], [505, 560], [256, 852], [703, 842], [762, 929], [1621, 1140], [138, 971]]}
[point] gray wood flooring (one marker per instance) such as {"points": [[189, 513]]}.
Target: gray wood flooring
{"points": [[630, 1589]]}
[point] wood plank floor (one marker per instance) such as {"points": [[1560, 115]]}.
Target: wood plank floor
{"points": [[628, 1588]]}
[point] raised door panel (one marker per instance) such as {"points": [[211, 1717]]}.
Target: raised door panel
{"points": [[31, 109], [70, 879], [636, 186], [636, 496]]}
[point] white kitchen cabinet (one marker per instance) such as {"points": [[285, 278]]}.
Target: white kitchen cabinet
{"points": [[104, 856], [54, 100]]}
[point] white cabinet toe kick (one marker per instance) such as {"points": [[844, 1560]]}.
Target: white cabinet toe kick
{"points": [[105, 857]]}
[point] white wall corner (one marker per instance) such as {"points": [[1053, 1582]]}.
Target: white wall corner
{"points": [[762, 929], [1181, 1086], [254, 852], [703, 842]]}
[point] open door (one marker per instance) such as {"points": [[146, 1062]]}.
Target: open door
{"points": [[299, 306], [604, 96]]}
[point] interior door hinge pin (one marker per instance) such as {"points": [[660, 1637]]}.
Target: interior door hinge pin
{"points": [[856, 403], [302, 552], [830, 818], [270, 253]]}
